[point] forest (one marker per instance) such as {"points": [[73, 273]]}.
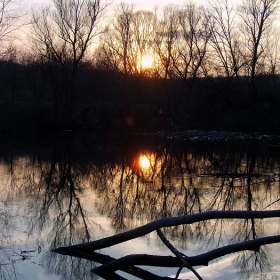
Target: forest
{"points": [[88, 65]]}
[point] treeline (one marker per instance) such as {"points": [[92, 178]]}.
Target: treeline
{"points": [[210, 67]]}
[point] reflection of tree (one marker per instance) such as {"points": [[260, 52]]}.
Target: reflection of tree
{"points": [[195, 179], [56, 211], [68, 268], [251, 229], [10, 188], [183, 180], [239, 181], [7, 269], [60, 190], [118, 219]]}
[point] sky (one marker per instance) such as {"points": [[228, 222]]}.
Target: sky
{"points": [[151, 2], [140, 3]]}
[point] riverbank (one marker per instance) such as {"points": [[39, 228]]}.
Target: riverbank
{"points": [[40, 117]]}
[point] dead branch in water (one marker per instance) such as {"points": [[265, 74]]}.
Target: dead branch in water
{"points": [[178, 255], [86, 250], [167, 222]]}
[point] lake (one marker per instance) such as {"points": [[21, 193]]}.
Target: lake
{"points": [[68, 189]]}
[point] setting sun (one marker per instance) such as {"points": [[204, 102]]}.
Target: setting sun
{"points": [[144, 162], [147, 61]]}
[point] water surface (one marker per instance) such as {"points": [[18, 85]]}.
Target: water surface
{"points": [[64, 190]]}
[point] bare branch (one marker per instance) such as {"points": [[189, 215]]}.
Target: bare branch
{"points": [[11, 16], [167, 222], [177, 254]]}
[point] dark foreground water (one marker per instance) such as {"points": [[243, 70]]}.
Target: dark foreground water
{"points": [[64, 190]]}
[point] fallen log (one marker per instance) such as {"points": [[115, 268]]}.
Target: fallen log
{"points": [[165, 222], [169, 261], [129, 269], [128, 263]]}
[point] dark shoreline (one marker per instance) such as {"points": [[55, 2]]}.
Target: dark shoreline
{"points": [[28, 117]]}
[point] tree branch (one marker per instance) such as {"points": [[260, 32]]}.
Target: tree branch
{"points": [[177, 254], [169, 261], [166, 222]]}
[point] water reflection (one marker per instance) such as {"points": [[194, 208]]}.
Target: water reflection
{"points": [[53, 193]]}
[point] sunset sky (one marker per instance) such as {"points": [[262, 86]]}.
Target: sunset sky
{"points": [[143, 4], [151, 2], [140, 4]]}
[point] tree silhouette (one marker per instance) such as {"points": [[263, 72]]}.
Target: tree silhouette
{"points": [[63, 33]]}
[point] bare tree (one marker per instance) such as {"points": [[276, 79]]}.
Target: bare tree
{"points": [[143, 31], [10, 14], [257, 20], [272, 54], [166, 36], [225, 39], [129, 38], [192, 43], [13, 79], [116, 41], [63, 33]]}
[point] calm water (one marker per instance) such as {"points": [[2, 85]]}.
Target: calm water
{"points": [[71, 189]]}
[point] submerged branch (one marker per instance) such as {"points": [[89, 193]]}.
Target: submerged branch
{"points": [[130, 269], [178, 255], [202, 259], [128, 263], [166, 222]]}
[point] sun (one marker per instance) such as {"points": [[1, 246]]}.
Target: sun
{"points": [[144, 162], [147, 61]]}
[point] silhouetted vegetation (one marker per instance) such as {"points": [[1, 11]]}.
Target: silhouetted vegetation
{"points": [[108, 99], [212, 67]]}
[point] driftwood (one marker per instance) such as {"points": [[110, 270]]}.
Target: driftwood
{"points": [[127, 263]]}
